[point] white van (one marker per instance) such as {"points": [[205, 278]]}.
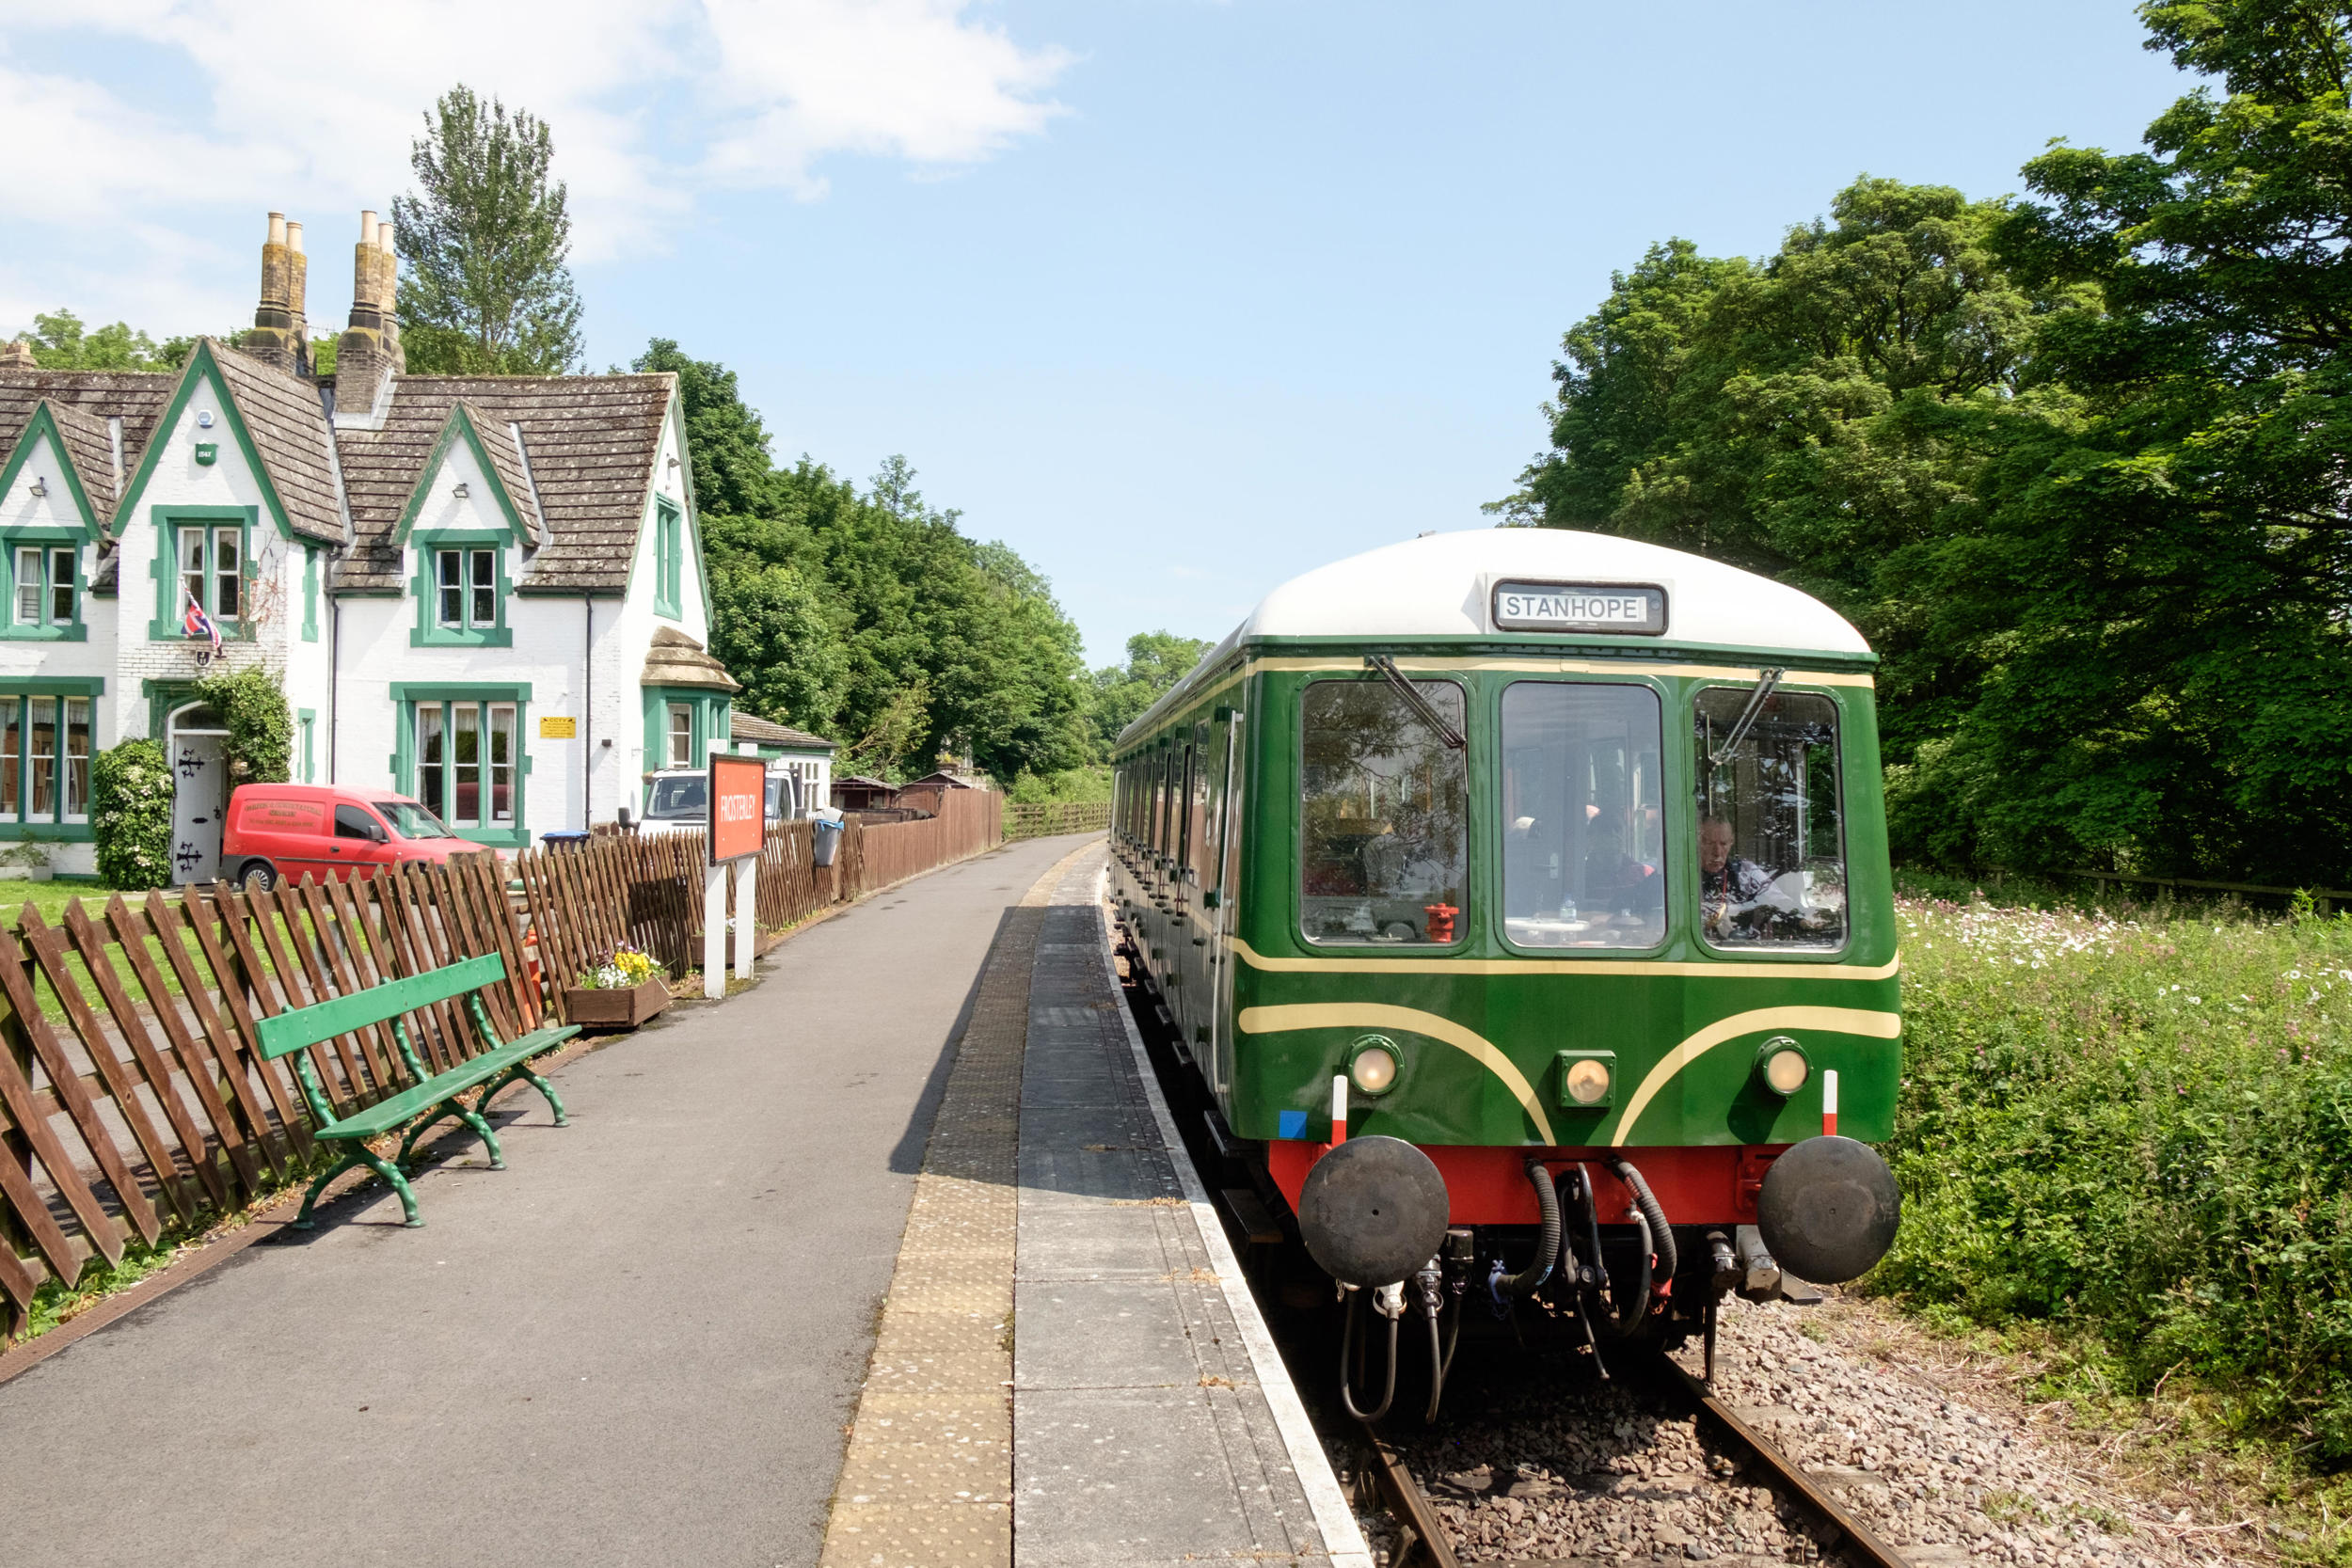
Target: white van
{"points": [[677, 801]]}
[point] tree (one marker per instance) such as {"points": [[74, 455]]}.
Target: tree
{"points": [[1819, 416], [2175, 685], [485, 238], [873, 618], [1156, 660], [60, 343]]}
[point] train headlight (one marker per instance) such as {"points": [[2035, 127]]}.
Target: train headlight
{"points": [[1587, 1078], [1781, 1067], [1373, 1066]]}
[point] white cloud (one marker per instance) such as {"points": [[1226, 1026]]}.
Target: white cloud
{"points": [[311, 108]]}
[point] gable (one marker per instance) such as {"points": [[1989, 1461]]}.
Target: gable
{"points": [[462, 430], [42, 446], [264, 416]]}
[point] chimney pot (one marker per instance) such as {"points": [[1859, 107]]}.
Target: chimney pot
{"points": [[277, 228], [293, 237], [367, 225], [384, 237]]}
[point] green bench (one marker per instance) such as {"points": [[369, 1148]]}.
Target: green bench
{"points": [[432, 1096]]}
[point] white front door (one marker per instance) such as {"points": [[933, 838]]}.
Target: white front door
{"points": [[199, 797]]}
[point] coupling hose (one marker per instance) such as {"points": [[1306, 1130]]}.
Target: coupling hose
{"points": [[1662, 1235], [1531, 1278]]}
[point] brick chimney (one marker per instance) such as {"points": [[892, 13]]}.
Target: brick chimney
{"points": [[390, 298], [297, 280], [362, 358], [18, 356], [271, 340]]}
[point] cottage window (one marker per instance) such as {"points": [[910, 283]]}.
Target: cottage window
{"points": [[46, 590], [468, 595], [669, 564], [681, 735], [44, 760], [466, 754], [212, 571]]}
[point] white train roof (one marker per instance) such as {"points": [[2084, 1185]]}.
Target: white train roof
{"points": [[1444, 585]]}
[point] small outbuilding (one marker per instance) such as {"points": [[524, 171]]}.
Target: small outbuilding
{"points": [[860, 793], [808, 758]]}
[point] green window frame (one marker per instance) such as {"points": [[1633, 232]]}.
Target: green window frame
{"points": [[462, 749], [669, 532], [46, 585], [192, 546], [48, 729], [461, 589], [706, 716], [310, 592]]}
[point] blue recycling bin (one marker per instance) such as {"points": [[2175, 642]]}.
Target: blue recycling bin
{"points": [[828, 840], [562, 841]]}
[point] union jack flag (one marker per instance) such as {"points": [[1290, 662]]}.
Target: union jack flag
{"points": [[197, 624]]}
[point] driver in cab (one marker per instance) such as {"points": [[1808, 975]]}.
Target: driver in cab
{"points": [[1730, 885]]}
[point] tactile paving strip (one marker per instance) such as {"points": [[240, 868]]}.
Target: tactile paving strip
{"points": [[927, 1481]]}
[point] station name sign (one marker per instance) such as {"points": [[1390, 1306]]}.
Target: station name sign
{"points": [[1616, 607]]}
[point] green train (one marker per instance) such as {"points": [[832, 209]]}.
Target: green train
{"points": [[1519, 898]]}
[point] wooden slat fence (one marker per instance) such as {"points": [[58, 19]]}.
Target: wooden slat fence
{"points": [[1056, 816], [133, 1098]]}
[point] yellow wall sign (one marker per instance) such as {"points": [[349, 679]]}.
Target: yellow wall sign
{"points": [[559, 729]]}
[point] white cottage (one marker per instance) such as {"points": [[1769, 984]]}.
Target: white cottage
{"points": [[486, 591]]}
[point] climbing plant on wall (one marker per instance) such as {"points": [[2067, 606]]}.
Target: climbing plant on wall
{"points": [[252, 706], [131, 815]]}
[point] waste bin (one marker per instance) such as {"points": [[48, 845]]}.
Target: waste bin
{"points": [[562, 841], [828, 840]]}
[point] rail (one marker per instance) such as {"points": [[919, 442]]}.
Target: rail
{"points": [[2323, 900]]}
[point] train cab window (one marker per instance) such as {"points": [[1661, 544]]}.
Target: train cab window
{"points": [[1771, 845], [1383, 822], [1584, 851]]}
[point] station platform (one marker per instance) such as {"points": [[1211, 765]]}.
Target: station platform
{"points": [[1150, 1421], [885, 1263]]}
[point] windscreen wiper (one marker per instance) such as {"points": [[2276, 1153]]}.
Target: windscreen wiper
{"points": [[1768, 679], [1414, 700]]}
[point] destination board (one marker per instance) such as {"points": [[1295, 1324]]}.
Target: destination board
{"points": [[1636, 608]]}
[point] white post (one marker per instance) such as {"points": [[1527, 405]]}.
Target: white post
{"points": [[715, 932], [746, 914]]}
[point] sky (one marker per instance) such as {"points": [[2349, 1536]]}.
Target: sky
{"points": [[1178, 299]]}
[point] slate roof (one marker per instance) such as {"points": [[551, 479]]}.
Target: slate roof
{"points": [[588, 448], [81, 402], [289, 426], [579, 481], [766, 732]]}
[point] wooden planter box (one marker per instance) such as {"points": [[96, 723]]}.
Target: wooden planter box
{"points": [[616, 1009]]}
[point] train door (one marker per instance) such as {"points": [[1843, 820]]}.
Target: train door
{"points": [[1224, 818]]}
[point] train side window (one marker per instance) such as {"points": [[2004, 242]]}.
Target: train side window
{"points": [[1183, 772], [1384, 826], [1770, 835], [1583, 849]]}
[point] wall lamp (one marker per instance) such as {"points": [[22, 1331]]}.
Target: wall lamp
{"points": [[460, 492], [41, 487]]}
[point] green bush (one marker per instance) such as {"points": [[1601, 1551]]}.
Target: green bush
{"points": [[2137, 1132], [1087, 786], [253, 709], [131, 815]]}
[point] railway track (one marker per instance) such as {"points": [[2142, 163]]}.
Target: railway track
{"points": [[1423, 1541]]}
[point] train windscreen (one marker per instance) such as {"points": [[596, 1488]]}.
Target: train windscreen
{"points": [[1584, 852], [1383, 825], [1770, 842]]}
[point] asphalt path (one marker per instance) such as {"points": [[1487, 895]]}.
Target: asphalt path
{"points": [[637, 1346]]}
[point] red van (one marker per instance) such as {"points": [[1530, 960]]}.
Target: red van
{"points": [[283, 832]]}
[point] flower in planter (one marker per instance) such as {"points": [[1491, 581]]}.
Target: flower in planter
{"points": [[624, 969]]}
